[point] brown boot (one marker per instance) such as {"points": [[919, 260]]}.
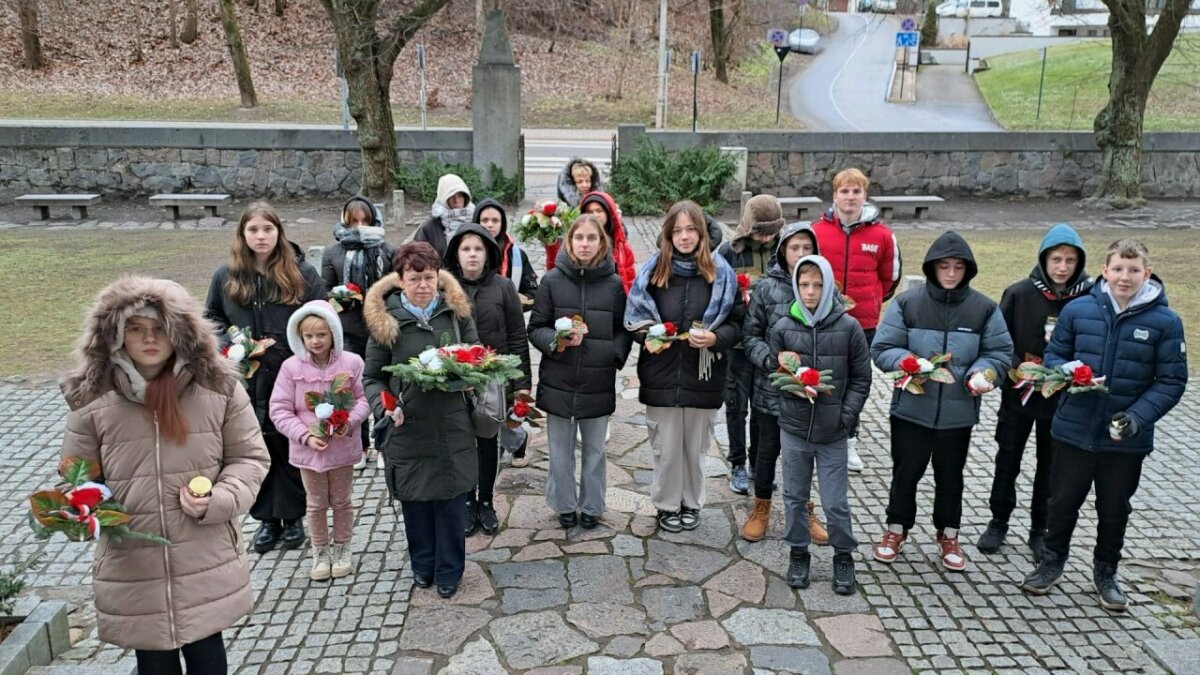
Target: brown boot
{"points": [[816, 531], [756, 526]]}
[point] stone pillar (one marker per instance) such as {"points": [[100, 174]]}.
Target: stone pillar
{"points": [[496, 103]]}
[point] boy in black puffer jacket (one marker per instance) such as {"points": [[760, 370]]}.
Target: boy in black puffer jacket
{"points": [[825, 337]]}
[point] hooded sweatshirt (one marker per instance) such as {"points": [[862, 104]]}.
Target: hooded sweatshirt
{"points": [[865, 259], [514, 263], [930, 320], [824, 338], [300, 376], [444, 221], [622, 252], [567, 192], [1031, 308]]}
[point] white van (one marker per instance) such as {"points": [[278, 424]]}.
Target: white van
{"points": [[980, 8]]}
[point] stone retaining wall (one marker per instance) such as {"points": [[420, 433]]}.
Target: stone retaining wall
{"points": [[242, 160], [979, 164]]}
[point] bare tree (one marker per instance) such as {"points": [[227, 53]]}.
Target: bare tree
{"points": [[191, 22], [237, 52], [724, 16], [626, 20], [31, 41], [1137, 57], [367, 60], [172, 20], [280, 5]]}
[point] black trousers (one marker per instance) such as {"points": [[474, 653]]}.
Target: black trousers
{"points": [[357, 344], [1012, 435], [768, 455], [739, 386], [488, 451], [913, 446], [1116, 476], [203, 657], [282, 495], [436, 545]]}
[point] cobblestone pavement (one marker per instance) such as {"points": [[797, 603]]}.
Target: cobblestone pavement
{"points": [[625, 599]]}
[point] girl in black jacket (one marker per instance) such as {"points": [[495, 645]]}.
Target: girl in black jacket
{"points": [[684, 285], [577, 375], [473, 257]]}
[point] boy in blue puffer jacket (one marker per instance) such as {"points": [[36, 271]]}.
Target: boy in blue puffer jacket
{"points": [[1124, 331]]}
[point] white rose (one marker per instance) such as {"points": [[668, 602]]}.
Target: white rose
{"points": [[428, 356], [980, 382], [434, 364], [1070, 366], [236, 353], [340, 289], [324, 411], [657, 330], [925, 365], [565, 323]]}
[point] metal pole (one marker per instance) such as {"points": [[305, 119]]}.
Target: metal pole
{"points": [[695, 81], [660, 108], [1041, 84], [345, 102], [779, 93], [421, 67], [903, 70]]}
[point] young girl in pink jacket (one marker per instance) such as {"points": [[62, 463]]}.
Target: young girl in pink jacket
{"points": [[325, 460]]}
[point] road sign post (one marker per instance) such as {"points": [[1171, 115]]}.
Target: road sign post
{"points": [[695, 79], [778, 39], [1041, 84], [421, 68]]}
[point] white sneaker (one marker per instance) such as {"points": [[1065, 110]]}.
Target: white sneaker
{"points": [[380, 461], [340, 562], [320, 563], [853, 461], [362, 462]]}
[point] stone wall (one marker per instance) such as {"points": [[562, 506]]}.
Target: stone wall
{"points": [[980, 164], [242, 160]]}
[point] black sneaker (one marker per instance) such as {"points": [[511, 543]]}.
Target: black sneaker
{"points": [[588, 522], [471, 523], [293, 534], [993, 537], [1037, 544], [1112, 597], [689, 519], [669, 521], [568, 520], [797, 572], [267, 536], [488, 521], [1048, 573], [844, 581]]}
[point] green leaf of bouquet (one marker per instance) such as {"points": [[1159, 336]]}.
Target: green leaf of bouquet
{"points": [[941, 375]]}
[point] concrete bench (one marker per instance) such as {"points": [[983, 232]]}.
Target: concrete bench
{"points": [[78, 202], [802, 204], [920, 202], [173, 202]]}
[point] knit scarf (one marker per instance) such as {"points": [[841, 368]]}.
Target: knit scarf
{"points": [[641, 312], [364, 264], [423, 314], [452, 219]]}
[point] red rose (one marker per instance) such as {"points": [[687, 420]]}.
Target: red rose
{"points": [[85, 498], [549, 209], [387, 400], [810, 377], [520, 409], [669, 328], [743, 281], [909, 365], [339, 417], [1082, 376], [353, 288]]}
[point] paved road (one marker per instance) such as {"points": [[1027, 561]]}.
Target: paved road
{"points": [[547, 150], [844, 87]]}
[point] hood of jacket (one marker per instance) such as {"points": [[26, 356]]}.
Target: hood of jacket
{"points": [[870, 214], [450, 260], [1059, 235], [716, 232], [615, 228], [320, 308], [803, 227], [566, 184], [493, 204], [763, 215], [376, 218], [949, 245], [192, 336], [825, 306], [1152, 292], [384, 327], [450, 185], [563, 261]]}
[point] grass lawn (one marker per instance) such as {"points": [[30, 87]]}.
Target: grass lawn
{"points": [[52, 276], [1076, 87]]}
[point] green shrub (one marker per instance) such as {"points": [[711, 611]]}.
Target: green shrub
{"points": [[929, 28], [649, 180], [12, 582], [420, 182]]}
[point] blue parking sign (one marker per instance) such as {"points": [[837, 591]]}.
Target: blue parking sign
{"points": [[906, 39]]}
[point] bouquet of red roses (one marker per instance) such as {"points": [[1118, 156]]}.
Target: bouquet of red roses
{"points": [[523, 411], [457, 367], [342, 296], [83, 512], [546, 223], [660, 336], [801, 380], [332, 407], [1075, 376], [243, 349], [915, 372]]}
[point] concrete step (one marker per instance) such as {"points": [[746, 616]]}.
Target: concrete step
{"points": [[126, 666]]}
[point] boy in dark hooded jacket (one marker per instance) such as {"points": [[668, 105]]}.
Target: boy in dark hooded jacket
{"points": [[1031, 307], [826, 338]]}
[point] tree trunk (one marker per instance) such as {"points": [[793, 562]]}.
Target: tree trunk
{"points": [[31, 42], [627, 48], [716, 28], [237, 52], [280, 5], [191, 22], [173, 19]]}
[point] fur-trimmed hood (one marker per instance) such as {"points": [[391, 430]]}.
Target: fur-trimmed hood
{"points": [[384, 326], [567, 192], [192, 336], [320, 308]]}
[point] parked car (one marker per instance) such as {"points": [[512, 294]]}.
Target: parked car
{"points": [[950, 8], [980, 8], [884, 6], [805, 41], [865, 5]]}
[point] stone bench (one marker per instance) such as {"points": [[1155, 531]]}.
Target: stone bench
{"points": [[78, 202], [802, 204], [920, 202], [172, 202]]}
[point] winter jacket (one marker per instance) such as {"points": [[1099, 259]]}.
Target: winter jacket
{"points": [[1141, 353], [622, 252], [826, 339], [770, 301], [930, 320], [671, 378], [514, 262], [266, 318], [334, 272], [865, 261], [749, 257], [495, 305], [433, 232], [432, 455], [301, 375], [567, 191], [150, 596], [580, 382], [1030, 308]]}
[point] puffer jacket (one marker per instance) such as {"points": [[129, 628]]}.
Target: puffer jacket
{"points": [[826, 338], [1142, 354], [567, 192], [930, 320], [301, 375], [514, 262], [266, 319], [432, 455], [770, 301], [1029, 307], [865, 260], [495, 305], [580, 382], [622, 252], [377, 263], [150, 596]]}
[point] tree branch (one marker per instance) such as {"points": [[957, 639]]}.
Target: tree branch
{"points": [[1162, 38], [405, 26]]}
